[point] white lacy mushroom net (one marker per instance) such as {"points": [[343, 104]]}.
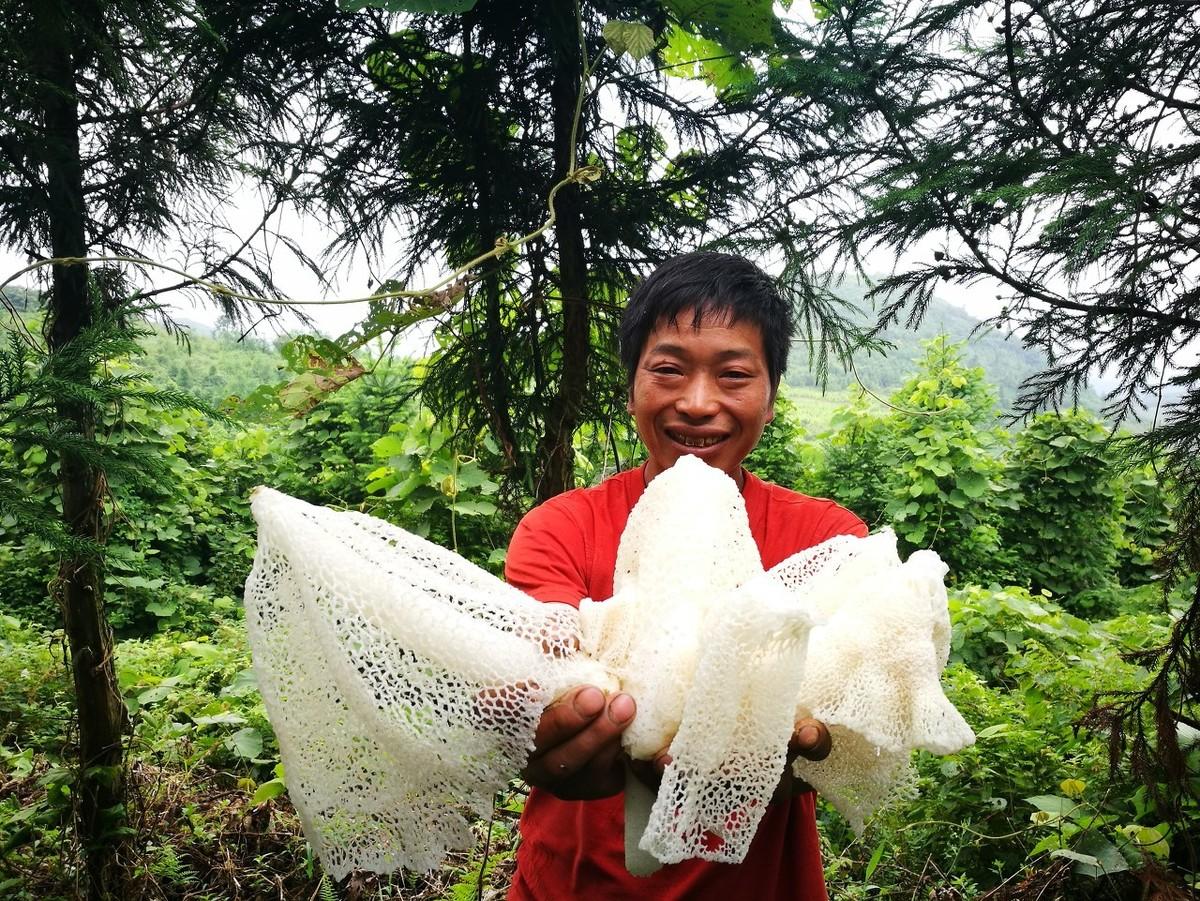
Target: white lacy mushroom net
{"points": [[405, 683]]}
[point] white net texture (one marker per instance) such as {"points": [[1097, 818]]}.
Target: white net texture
{"points": [[405, 683]]}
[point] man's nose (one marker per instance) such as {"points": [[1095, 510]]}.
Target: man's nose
{"points": [[699, 398]]}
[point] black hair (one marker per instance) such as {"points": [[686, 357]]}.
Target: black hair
{"points": [[709, 284]]}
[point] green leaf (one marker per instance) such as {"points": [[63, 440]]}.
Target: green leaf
{"points": [[162, 608], [152, 695], [1097, 856], [876, 856], [474, 508], [246, 743], [471, 475], [689, 55], [272, 788], [1058, 806], [390, 445], [737, 24], [633, 38], [243, 684], [228, 718], [972, 484]]}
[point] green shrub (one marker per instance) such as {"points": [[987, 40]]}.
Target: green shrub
{"points": [[1063, 534], [780, 455], [1023, 672], [852, 469], [945, 482], [439, 485], [1146, 524]]}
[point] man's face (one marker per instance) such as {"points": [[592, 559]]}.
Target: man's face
{"points": [[702, 391]]}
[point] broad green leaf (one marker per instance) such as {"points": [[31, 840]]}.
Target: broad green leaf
{"points": [[152, 695], [689, 55], [400, 490], [737, 24], [390, 445], [272, 788], [972, 484], [243, 684], [162, 608], [471, 475], [474, 508], [247, 743], [1150, 839], [1053, 841], [633, 38], [1097, 856], [203, 651], [1058, 806], [228, 718]]}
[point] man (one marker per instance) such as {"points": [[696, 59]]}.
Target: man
{"points": [[705, 341]]}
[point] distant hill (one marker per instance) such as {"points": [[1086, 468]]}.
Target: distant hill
{"points": [[1003, 359], [211, 365], [24, 299]]}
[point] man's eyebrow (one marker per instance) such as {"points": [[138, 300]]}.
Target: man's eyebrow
{"points": [[678, 350]]}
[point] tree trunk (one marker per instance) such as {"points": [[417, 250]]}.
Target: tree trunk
{"points": [[556, 455], [99, 787], [492, 372]]}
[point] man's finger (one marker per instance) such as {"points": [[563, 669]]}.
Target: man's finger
{"points": [[567, 717], [594, 746], [811, 740], [585, 765]]}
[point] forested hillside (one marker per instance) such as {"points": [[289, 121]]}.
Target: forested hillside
{"points": [[1006, 360], [216, 364], [212, 366]]}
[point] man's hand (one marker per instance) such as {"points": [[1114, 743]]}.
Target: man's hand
{"points": [[810, 740], [577, 746]]}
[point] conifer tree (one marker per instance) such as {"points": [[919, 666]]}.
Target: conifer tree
{"points": [[123, 124], [1045, 154]]}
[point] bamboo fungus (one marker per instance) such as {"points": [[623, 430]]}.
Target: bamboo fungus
{"points": [[405, 683]]}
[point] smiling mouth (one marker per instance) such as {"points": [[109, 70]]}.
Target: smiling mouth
{"points": [[696, 442]]}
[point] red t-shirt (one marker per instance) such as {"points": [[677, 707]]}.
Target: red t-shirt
{"points": [[566, 550]]}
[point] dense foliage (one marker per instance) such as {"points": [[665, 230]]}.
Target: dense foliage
{"points": [[1032, 801]]}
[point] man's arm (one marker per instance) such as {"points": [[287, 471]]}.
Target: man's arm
{"points": [[577, 745]]}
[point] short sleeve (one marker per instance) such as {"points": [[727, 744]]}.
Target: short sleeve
{"points": [[837, 520], [547, 555]]}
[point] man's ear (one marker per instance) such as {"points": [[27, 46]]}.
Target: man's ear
{"points": [[629, 399], [771, 409]]}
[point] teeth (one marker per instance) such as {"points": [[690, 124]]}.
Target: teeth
{"points": [[696, 442]]}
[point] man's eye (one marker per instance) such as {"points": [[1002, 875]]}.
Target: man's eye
{"points": [[736, 374], [664, 369]]}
